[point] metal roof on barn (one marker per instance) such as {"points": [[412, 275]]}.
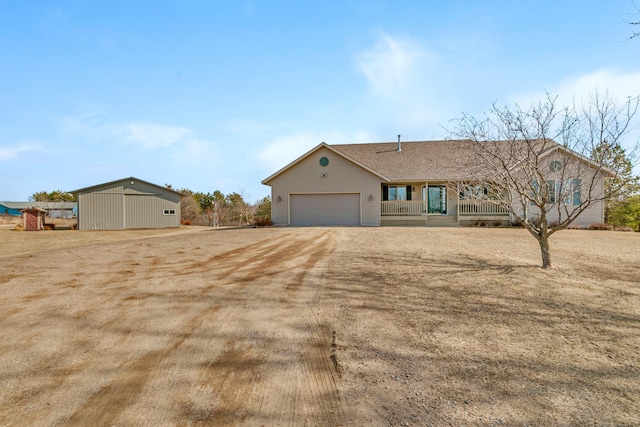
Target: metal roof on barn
{"points": [[131, 178]]}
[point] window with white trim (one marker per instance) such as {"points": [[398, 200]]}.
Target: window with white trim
{"points": [[567, 191], [396, 192], [169, 212]]}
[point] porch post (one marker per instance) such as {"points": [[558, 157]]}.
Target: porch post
{"points": [[458, 203], [426, 203]]}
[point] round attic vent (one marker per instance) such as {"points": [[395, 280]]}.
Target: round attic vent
{"points": [[555, 166]]}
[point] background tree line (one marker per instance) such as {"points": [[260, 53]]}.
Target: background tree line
{"points": [[216, 209], [53, 196]]}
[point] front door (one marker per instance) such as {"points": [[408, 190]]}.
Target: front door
{"points": [[437, 199]]}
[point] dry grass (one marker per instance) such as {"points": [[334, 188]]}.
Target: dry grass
{"points": [[461, 327], [402, 326]]}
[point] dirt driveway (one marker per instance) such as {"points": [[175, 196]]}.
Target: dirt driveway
{"points": [[318, 326]]}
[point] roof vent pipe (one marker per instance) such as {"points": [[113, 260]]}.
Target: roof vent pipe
{"points": [[399, 146]]}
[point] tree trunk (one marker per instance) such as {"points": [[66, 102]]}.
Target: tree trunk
{"points": [[543, 241]]}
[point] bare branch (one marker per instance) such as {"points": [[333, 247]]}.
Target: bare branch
{"points": [[635, 34], [548, 165]]}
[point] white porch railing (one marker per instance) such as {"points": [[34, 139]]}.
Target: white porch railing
{"points": [[465, 207], [481, 207], [404, 207]]}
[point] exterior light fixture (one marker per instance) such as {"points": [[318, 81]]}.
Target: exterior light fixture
{"points": [[279, 198], [324, 174], [370, 197]]}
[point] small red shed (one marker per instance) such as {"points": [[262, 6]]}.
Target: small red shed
{"points": [[33, 219]]}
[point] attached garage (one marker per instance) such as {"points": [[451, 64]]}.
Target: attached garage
{"points": [[325, 209], [323, 187], [128, 203]]}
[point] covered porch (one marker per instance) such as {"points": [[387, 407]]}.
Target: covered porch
{"points": [[437, 204]]}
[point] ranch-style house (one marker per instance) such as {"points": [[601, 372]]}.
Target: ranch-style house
{"points": [[421, 183]]}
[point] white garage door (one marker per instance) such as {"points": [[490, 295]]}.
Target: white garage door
{"points": [[325, 209]]}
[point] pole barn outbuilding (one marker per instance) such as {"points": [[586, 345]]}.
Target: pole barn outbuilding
{"points": [[127, 203]]}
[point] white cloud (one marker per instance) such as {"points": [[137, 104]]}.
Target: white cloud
{"points": [[171, 147], [10, 153], [151, 136], [580, 89], [417, 83], [393, 66], [618, 85], [88, 125], [145, 135]]}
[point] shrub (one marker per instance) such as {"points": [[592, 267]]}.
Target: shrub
{"points": [[599, 226], [185, 221], [497, 223], [262, 222], [263, 209], [49, 226]]}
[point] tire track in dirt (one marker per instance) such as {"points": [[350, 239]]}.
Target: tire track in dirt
{"points": [[310, 379], [221, 265], [5, 278], [104, 407], [240, 266], [232, 386], [320, 362], [309, 392], [8, 313], [233, 348]]}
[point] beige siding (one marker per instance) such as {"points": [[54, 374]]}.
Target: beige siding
{"points": [[594, 213], [147, 211], [342, 176], [127, 204], [100, 211]]}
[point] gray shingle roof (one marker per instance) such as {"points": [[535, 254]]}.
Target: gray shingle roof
{"points": [[417, 161], [442, 160]]}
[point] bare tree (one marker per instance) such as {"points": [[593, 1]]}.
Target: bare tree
{"points": [[541, 163], [241, 210], [189, 209], [635, 33]]}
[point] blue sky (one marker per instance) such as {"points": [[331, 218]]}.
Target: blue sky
{"points": [[218, 95]]}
